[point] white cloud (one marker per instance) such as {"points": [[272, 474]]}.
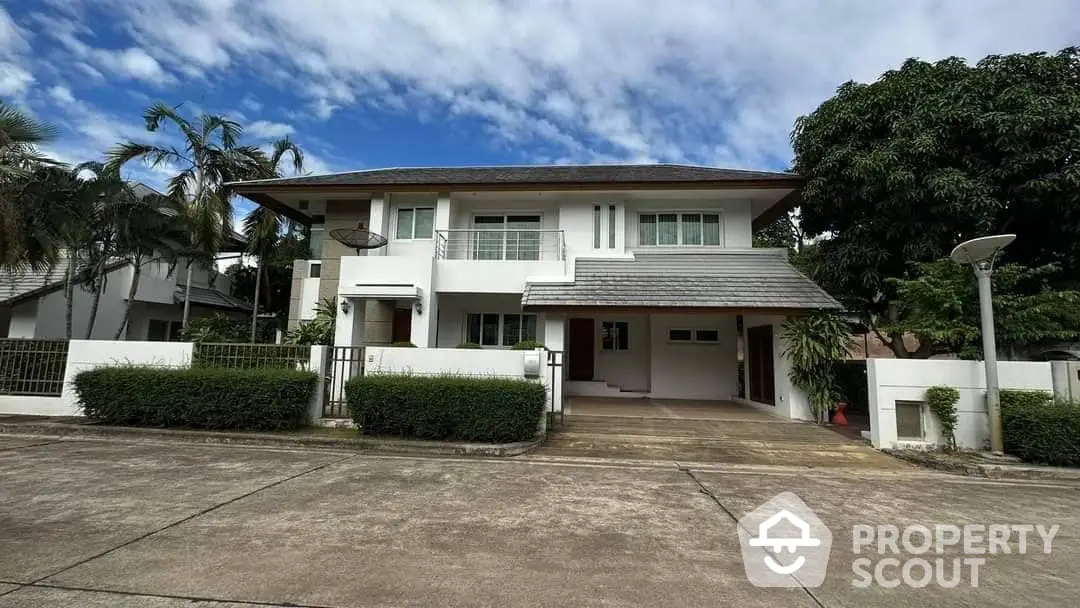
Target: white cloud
{"points": [[12, 37], [697, 80], [133, 63], [14, 80], [264, 129], [61, 95]]}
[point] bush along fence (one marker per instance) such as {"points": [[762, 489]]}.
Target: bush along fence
{"points": [[200, 398], [490, 410], [1040, 429]]}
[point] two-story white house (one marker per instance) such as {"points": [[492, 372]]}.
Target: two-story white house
{"points": [[643, 276]]}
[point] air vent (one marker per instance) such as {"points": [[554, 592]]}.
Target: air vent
{"points": [[303, 206]]}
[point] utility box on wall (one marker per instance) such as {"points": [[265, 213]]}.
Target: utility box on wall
{"points": [[532, 364]]}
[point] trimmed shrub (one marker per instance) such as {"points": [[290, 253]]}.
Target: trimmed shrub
{"points": [[468, 345], [403, 344], [527, 345], [1040, 430], [202, 398], [458, 408]]}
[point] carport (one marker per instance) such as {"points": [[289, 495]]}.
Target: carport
{"points": [[704, 432], [672, 324]]}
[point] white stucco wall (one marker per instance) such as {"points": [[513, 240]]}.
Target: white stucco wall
{"points": [[309, 297], [435, 361], [892, 380], [454, 307], [693, 370], [791, 402], [50, 313], [629, 370]]}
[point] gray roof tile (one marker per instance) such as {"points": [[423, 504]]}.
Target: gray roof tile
{"points": [[733, 278], [524, 174]]}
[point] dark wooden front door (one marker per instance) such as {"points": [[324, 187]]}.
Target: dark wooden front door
{"points": [[580, 350], [759, 362], [402, 331]]}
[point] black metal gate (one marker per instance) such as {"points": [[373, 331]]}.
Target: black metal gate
{"points": [[555, 363], [343, 363]]}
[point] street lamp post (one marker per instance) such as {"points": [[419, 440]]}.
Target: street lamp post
{"points": [[981, 253]]}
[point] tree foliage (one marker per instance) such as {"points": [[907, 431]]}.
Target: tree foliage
{"points": [[815, 345], [931, 154], [941, 307]]}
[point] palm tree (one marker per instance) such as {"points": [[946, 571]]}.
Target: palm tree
{"points": [[147, 229], [263, 228], [28, 226], [210, 156]]}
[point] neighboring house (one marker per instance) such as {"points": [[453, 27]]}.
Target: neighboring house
{"points": [[32, 304], [642, 275]]}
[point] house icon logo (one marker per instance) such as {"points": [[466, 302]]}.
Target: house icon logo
{"points": [[784, 544]]}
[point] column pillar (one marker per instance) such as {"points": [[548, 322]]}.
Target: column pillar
{"points": [[554, 340]]}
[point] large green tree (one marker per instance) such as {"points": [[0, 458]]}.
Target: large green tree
{"points": [[902, 169], [942, 305]]}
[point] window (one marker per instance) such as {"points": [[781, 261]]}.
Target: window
{"points": [[703, 336], [614, 336], [415, 223], [596, 227], [314, 270], [909, 420], [163, 331], [315, 241], [706, 335], [680, 335], [494, 329], [675, 229], [506, 237], [611, 227]]}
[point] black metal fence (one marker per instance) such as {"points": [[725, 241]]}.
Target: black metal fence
{"points": [[251, 356], [32, 367], [343, 364]]}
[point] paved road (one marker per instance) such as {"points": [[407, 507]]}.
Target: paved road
{"points": [[85, 523]]}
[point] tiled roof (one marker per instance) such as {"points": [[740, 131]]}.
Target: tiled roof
{"points": [[16, 286], [732, 279], [526, 174], [204, 296]]}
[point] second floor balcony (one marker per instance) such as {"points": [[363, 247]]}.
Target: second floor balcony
{"points": [[500, 244]]}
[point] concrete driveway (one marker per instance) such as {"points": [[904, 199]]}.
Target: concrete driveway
{"points": [[688, 431], [93, 523]]}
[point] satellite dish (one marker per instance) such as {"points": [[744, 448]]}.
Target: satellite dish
{"points": [[358, 238], [984, 248]]}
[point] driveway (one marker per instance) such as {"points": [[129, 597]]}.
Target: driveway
{"points": [[94, 523], [712, 432]]}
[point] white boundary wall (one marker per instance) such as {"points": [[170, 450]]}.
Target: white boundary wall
{"points": [[89, 354], [85, 355], [435, 361], [480, 363], [892, 380]]}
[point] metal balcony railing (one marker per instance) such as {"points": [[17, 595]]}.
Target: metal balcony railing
{"points": [[479, 244]]}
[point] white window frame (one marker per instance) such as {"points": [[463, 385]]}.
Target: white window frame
{"points": [[693, 335], [502, 326], [412, 229], [506, 215], [679, 213]]}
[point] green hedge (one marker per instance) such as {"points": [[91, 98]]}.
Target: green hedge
{"points": [[458, 408], [1040, 430], [203, 398]]}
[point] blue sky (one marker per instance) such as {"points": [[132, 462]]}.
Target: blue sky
{"points": [[362, 84]]}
